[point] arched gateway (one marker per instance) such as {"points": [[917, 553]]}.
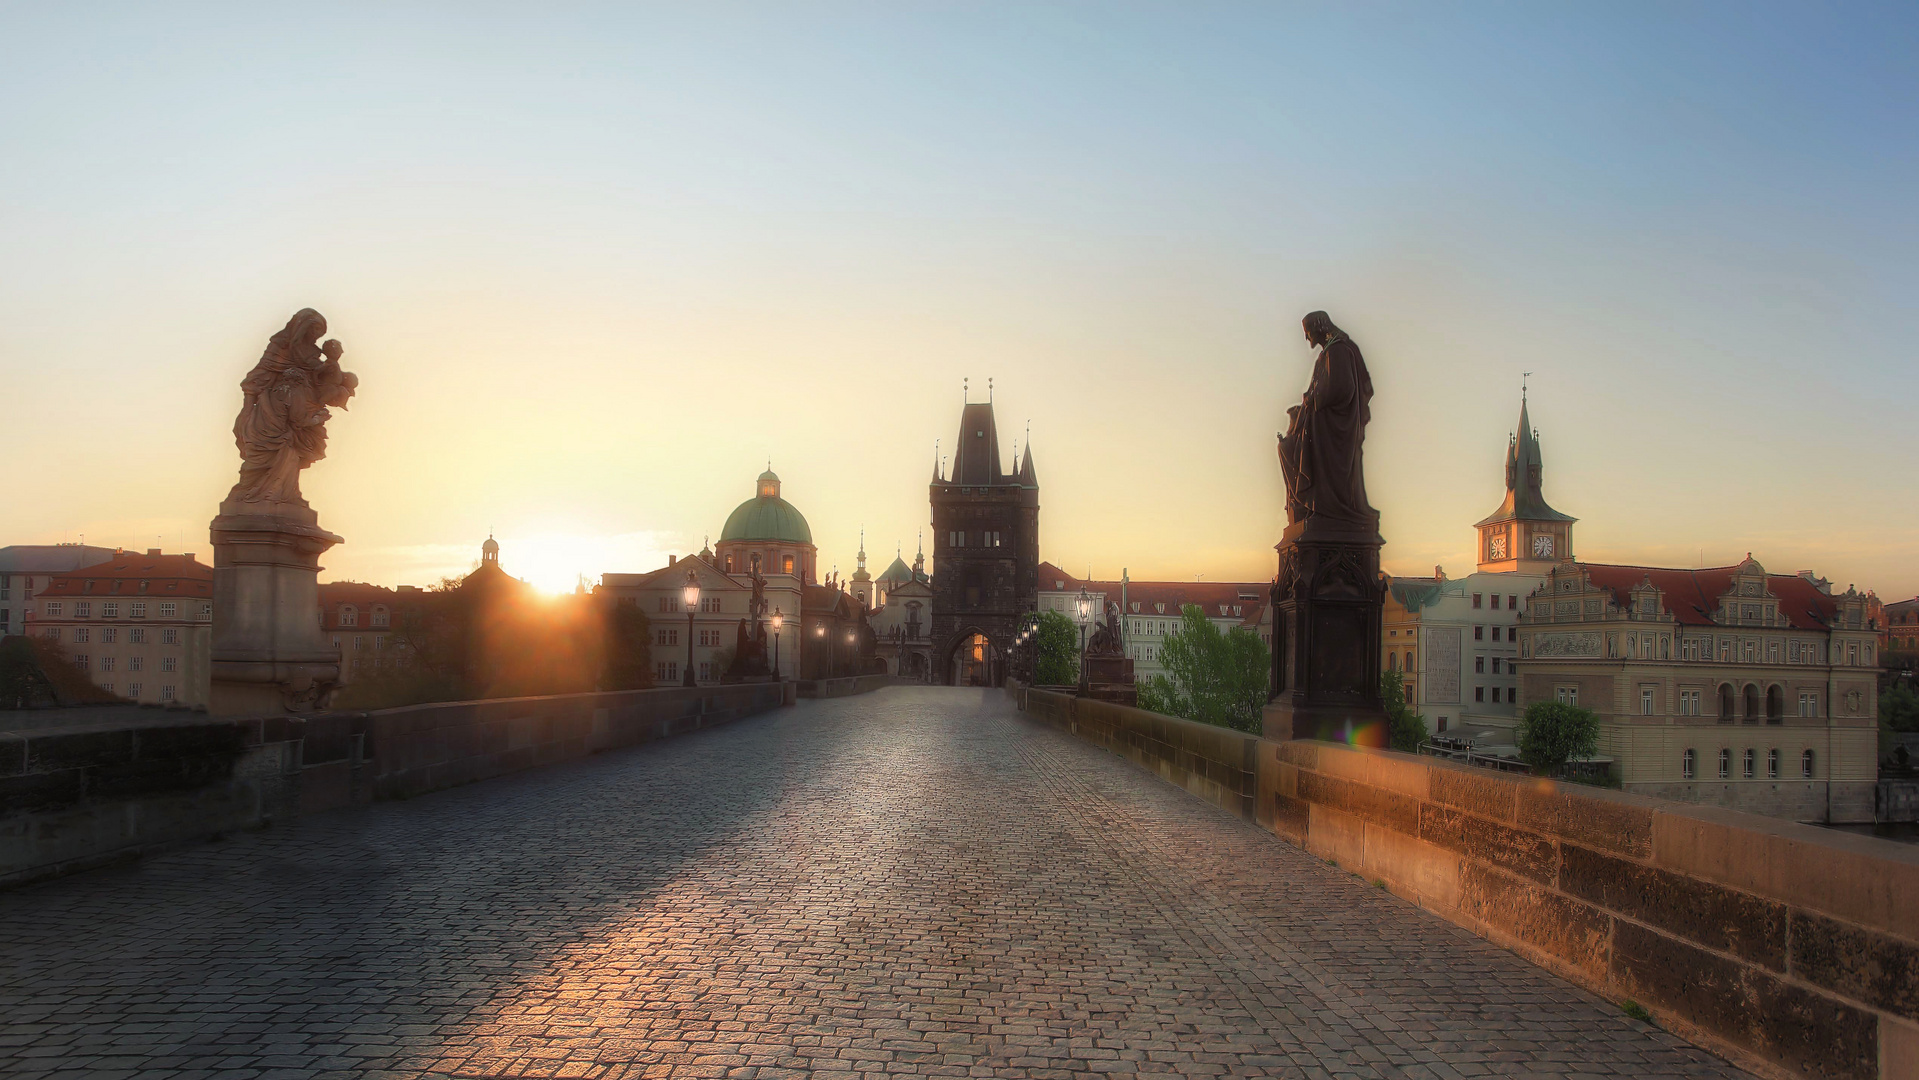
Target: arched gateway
{"points": [[973, 660]]}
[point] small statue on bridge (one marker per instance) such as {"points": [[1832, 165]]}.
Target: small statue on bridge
{"points": [[1319, 453], [1110, 638], [289, 393]]}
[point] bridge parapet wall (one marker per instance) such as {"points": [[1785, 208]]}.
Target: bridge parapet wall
{"points": [[424, 748], [1792, 948]]}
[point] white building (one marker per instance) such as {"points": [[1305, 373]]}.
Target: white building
{"points": [[1153, 609], [140, 626]]}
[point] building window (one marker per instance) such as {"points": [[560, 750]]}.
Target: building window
{"points": [[1725, 763], [135, 663], [106, 663], [137, 635], [136, 611], [1566, 695], [669, 605], [359, 643], [81, 635], [666, 671], [81, 661], [133, 690], [1495, 665], [169, 636], [109, 635], [168, 663], [668, 637], [1805, 765], [1747, 761], [1479, 633], [349, 615], [1479, 693], [706, 671], [166, 692], [167, 610], [109, 611], [1686, 765], [1479, 665], [786, 564], [1645, 700], [1512, 602], [53, 609], [1808, 704], [381, 617], [379, 643], [1477, 600], [1772, 763], [1689, 703], [82, 609]]}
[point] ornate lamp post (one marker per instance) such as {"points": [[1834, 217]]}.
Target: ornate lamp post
{"points": [[691, 594], [1084, 602], [778, 620], [852, 650]]}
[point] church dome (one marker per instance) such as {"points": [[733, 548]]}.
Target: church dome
{"points": [[897, 572], [766, 516]]}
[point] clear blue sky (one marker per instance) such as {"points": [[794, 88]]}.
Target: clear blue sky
{"points": [[595, 265]]}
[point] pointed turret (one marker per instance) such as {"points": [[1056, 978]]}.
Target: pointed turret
{"points": [[1525, 528], [976, 461], [1027, 477]]}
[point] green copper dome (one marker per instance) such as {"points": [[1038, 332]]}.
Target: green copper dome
{"points": [[767, 517]]}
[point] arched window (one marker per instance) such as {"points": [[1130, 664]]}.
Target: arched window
{"points": [[786, 562], [1392, 661], [1805, 764], [1772, 763], [1725, 703], [1409, 661], [729, 562], [1748, 759], [1775, 704], [380, 616], [1752, 701], [1725, 763], [349, 615], [1686, 764]]}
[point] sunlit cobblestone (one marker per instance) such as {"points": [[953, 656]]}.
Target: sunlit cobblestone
{"points": [[914, 882]]}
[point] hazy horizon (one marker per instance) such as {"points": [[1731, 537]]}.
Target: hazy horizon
{"points": [[596, 266]]}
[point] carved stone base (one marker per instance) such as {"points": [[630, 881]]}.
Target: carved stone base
{"points": [[1108, 678], [270, 656], [1328, 606]]}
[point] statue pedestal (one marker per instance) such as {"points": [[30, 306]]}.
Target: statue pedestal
{"points": [[1328, 606], [270, 656], [1108, 678]]}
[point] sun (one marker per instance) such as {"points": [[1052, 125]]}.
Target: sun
{"points": [[557, 562]]}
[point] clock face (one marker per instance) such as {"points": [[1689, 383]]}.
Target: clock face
{"points": [[1543, 544], [1498, 548]]}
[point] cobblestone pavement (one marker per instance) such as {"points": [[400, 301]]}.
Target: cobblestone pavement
{"points": [[917, 881]]}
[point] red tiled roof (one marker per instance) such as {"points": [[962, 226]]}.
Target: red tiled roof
{"points": [[1693, 595], [186, 576], [1209, 595], [355, 592]]}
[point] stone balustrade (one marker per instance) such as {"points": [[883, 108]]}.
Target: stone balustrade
{"points": [[1789, 948]]}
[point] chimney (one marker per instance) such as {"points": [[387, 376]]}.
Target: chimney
{"points": [[153, 551], [671, 559]]}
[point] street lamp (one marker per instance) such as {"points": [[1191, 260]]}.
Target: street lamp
{"points": [[819, 631], [692, 596], [778, 620], [1085, 604]]}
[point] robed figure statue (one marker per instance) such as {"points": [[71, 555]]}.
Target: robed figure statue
{"points": [[281, 428], [1319, 454]]}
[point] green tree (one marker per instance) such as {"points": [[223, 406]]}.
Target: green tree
{"points": [[629, 651], [1408, 727], [1899, 708], [1056, 646], [1213, 677], [1553, 733]]}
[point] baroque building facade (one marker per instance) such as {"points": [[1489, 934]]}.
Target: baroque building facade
{"points": [[985, 554], [1730, 685]]}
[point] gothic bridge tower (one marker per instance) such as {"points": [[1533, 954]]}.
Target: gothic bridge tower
{"points": [[985, 554]]}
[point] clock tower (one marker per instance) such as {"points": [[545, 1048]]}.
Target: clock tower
{"points": [[1524, 534]]}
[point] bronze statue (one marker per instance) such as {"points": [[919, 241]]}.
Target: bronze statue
{"points": [[281, 428], [1109, 639], [1319, 454]]}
